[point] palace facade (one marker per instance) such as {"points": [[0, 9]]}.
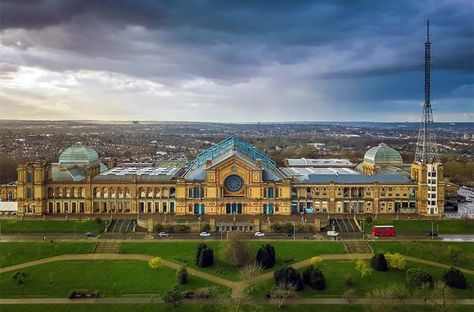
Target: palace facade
{"points": [[230, 178]]}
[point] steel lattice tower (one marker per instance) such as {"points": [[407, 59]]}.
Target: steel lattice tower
{"points": [[426, 148]]}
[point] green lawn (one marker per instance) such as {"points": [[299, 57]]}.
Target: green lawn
{"points": [[18, 252], [183, 252], [111, 278], [335, 273], [423, 226], [49, 226], [193, 307], [436, 251]]}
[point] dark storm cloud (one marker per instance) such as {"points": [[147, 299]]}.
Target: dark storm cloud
{"points": [[361, 51]]}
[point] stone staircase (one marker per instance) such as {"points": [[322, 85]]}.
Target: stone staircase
{"points": [[354, 246], [108, 247]]}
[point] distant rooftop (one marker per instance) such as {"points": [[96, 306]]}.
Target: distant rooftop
{"points": [[319, 162]]}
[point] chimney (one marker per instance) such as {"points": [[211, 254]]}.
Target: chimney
{"points": [[259, 163]]}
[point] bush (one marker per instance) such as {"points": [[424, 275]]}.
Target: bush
{"points": [[349, 280], [158, 228], [417, 278], [396, 261], [205, 227], [314, 277], [173, 297], [182, 275], [454, 279], [277, 227], [266, 256], [98, 220], [181, 228], [368, 219], [155, 263], [288, 278], [168, 229], [315, 261], [206, 257], [379, 263]]}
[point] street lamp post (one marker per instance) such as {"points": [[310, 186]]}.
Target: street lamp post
{"points": [[432, 234]]}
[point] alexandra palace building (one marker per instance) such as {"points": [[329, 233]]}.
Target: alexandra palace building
{"points": [[230, 178]]}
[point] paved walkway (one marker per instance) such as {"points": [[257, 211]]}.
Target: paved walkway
{"points": [[137, 300], [203, 275]]}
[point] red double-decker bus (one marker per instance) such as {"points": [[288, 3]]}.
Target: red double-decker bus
{"points": [[384, 230]]}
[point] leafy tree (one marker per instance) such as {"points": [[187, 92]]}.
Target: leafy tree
{"points": [[379, 263], [182, 275], [314, 277], [277, 227], [206, 258], [200, 247], [205, 227], [238, 251], [396, 261], [266, 256], [455, 278], [368, 219], [158, 228], [155, 263], [173, 297], [418, 278], [20, 278], [287, 277], [363, 268]]}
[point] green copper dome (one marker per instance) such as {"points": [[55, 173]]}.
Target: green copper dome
{"points": [[383, 155], [78, 154]]}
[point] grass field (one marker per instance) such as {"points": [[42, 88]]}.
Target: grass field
{"points": [[111, 278], [287, 251], [335, 273], [188, 307], [50, 226], [18, 252], [423, 226], [436, 251]]}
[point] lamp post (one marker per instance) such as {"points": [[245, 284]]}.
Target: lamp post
{"points": [[432, 234]]}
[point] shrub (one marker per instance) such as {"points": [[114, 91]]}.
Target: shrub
{"points": [[155, 263], [349, 280], [205, 227], [379, 263], [168, 229], [181, 228], [182, 275], [396, 261], [417, 278], [266, 256], [173, 297], [315, 261], [206, 258], [350, 296], [288, 278], [314, 277], [98, 220], [158, 228], [454, 279], [363, 268], [368, 219], [277, 227]]}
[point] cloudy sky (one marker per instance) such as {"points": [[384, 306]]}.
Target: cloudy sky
{"points": [[234, 60]]}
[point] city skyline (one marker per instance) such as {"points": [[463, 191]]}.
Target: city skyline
{"points": [[234, 62]]}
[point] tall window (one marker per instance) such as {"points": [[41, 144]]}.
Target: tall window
{"points": [[29, 177], [29, 193]]}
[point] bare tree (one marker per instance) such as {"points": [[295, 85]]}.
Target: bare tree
{"points": [[389, 299], [250, 274], [350, 296], [442, 298], [284, 292], [238, 251], [237, 300]]}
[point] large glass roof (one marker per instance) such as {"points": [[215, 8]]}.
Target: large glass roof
{"points": [[78, 153], [383, 155]]}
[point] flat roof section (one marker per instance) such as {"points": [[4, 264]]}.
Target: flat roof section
{"points": [[319, 162], [141, 171]]}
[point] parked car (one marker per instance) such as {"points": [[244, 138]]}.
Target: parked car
{"points": [[332, 233], [163, 234], [90, 234], [289, 234], [204, 234], [432, 234], [259, 234]]}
